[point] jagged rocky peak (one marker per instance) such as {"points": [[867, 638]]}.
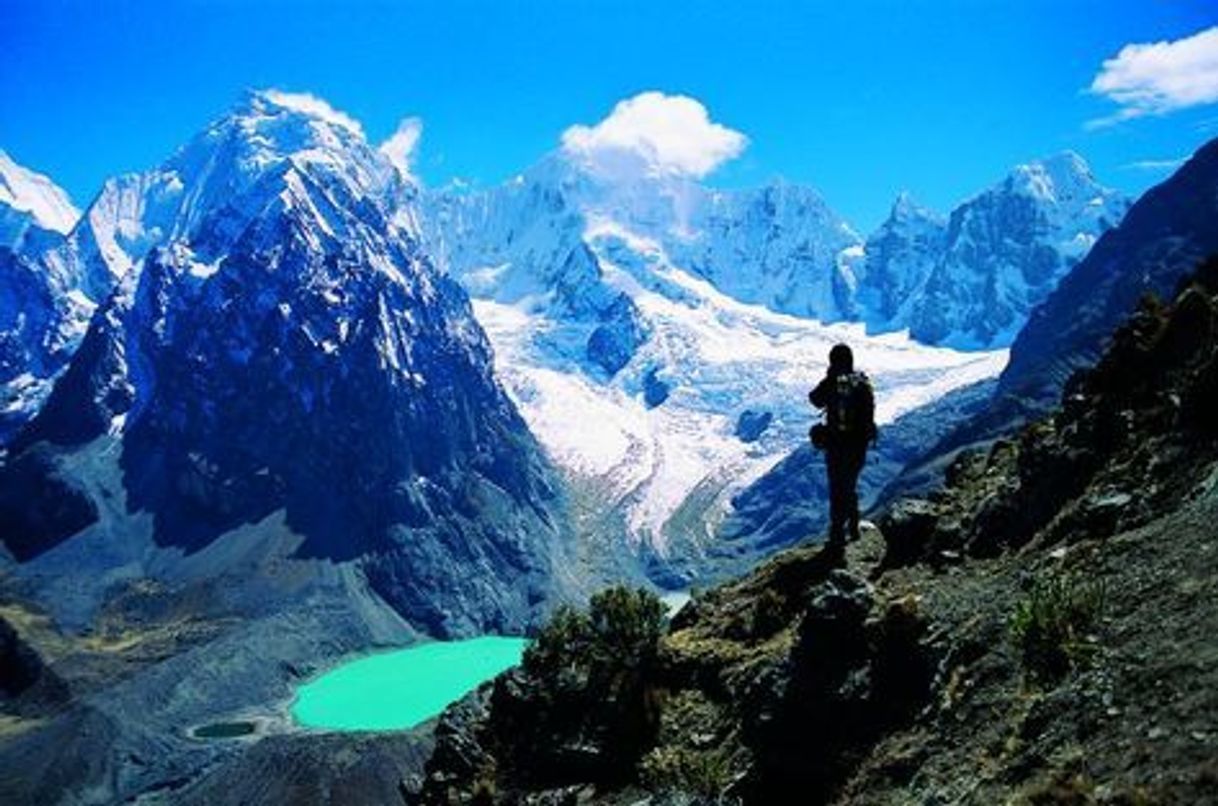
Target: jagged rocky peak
{"points": [[905, 209], [898, 258], [971, 283], [216, 173], [1165, 234], [289, 348], [1059, 178]]}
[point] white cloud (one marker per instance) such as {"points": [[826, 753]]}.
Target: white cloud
{"points": [[1160, 77], [653, 133], [312, 105], [400, 147], [1156, 165]]}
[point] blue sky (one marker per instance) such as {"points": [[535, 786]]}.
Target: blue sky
{"points": [[861, 99]]}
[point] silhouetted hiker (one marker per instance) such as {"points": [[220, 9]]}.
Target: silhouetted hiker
{"points": [[849, 404]]}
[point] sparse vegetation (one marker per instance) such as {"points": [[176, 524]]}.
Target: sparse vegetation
{"points": [[705, 774], [1054, 625], [769, 614], [587, 690], [619, 633]]}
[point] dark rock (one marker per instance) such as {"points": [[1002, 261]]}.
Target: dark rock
{"points": [[907, 527], [621, 332], [40, 506], [27, 685], [655, 391], [750, 425]]}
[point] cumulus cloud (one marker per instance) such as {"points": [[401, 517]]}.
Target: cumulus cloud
{"points": [[654, 134], [1160, 77], [312, 105], [400, 147]]}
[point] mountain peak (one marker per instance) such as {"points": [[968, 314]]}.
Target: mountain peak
{"points": [[274, 103], [906, 208], [1058, 177], [36, 195]]}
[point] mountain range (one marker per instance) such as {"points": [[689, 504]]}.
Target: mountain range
{"points": [[272, 402]]}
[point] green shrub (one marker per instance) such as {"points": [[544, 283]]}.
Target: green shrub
{"points": [[1053, 625], [558, 655], [621, 631], [626, 627], [702, 773], [590, 691]]}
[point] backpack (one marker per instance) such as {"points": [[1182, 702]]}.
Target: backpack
{"points": [[850, 415]]}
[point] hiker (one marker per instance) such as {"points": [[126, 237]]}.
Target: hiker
{"points": [[849, 404]]}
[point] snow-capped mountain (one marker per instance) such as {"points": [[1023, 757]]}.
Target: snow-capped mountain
{"points": [[42, 311], [284, 357], [1167, 233], [200, 189], [900, 257], [30, 200], [659, 392], [970, 283]]}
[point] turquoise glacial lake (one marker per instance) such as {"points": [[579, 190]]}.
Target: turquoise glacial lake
{"points": [[400, 689]]}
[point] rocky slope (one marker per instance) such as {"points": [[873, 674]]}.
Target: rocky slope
{"points": [[1039, 631]]}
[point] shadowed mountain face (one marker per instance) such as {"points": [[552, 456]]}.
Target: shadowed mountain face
{"points": [[294, 350]]}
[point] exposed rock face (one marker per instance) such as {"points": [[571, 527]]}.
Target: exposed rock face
{"points": [[901, 255], [41, 322], [618, 336], [40, 504], [27, 685], [750, 425], [807, 683]]}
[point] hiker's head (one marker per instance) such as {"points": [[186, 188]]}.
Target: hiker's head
{"points": [[841, 359]]}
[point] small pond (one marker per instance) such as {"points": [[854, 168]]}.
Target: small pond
{"points": [[225, 730]]}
